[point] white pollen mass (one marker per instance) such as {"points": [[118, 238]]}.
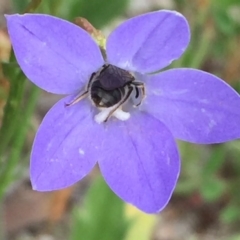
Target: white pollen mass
{"points": [[104, 113], [121, 115]]}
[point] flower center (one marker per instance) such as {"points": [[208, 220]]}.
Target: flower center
{"points": [[110, 89]]}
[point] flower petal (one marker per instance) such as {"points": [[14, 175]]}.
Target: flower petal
{"points": [[64, 149], [56, 55], [148, 42], [141, 162], [196, 106]]}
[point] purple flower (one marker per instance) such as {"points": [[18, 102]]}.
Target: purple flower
{"points": [[135, 148]]}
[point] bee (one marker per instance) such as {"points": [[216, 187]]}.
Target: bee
{"points": [[111, 87]]}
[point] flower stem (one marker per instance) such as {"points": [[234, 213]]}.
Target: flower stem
{"points": [[18, 141], [11, 111], [203, 49]]}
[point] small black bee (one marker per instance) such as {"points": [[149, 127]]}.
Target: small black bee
{"points": [[111, 87]]}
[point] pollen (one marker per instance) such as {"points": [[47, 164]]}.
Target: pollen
{"points": [[104, 114]]}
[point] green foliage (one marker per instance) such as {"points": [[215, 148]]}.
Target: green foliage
{"points": [[98, 12], [215, 161], [230, 214], [226, 14], [212, 189], [101, 217], [234, 237], [20, 6], [15, 124]]}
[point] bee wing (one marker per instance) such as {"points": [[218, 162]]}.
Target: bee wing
{"points": [[113, 77]]}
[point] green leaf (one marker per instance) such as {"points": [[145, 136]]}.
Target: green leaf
{"points": [[212, 189], [97, 12], [186, 186], [223, 4], [20, 6], [214, 162], [26, 6], [234, 237], [223, 15], [230, 214], [101, 217]]}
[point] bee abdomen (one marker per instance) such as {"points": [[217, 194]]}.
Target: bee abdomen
{"points": [[105, 98]]}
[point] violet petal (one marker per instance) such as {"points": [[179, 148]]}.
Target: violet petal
{"points": [[196, 106], [148, 42], [56, 55], [65, 146], [140, 162]]}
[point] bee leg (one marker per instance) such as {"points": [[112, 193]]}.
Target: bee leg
{"points": [[137, 92], [125, 98], [77, 99], [139, 85], [82, 95]]}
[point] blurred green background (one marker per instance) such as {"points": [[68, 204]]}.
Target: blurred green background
{"points": [[206, 202]]}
